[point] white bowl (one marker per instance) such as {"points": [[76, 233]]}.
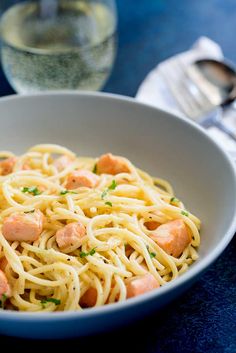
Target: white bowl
{"points": [[164, 145]]}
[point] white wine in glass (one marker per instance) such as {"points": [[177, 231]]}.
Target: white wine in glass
{"points": [[58, 44]]}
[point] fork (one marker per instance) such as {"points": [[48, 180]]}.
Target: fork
{"points": [[192, 101]]}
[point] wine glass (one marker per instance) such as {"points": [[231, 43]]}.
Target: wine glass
{"points": [[57, 44]]}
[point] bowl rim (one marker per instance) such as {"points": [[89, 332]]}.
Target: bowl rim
{"points": [[192, 273]]}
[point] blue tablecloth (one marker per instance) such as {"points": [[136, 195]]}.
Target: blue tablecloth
{"points": [[204, 318]]}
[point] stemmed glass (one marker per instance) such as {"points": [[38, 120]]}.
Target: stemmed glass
{"points": [[57, 44]]}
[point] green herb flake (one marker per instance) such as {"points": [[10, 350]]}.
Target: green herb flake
{"points": [[32, 211], [31, 190], [110, 187], [2, 301], [113, 185], [108, 203], [95, 169], [84, 254], [184, 213], [64, 192], [50, 300], [92, 252], [152, 254], [174, 200]]}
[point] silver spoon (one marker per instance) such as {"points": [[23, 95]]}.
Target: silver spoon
{"points": [[217, 81]]}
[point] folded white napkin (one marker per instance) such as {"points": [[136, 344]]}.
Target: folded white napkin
{"points": [[154, 90]]}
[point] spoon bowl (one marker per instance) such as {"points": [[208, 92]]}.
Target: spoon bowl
{"points": [[216, 80]]}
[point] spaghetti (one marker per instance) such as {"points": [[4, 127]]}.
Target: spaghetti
{"points": [[121, 214]]}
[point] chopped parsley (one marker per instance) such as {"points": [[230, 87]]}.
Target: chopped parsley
{"points": [[113, 185], [184, 213], [50, 300], [152, 254], [108, 203], [110, 187], [174, 200], [84, 254], [32, 211], [95, 169], [31, 190], [64, 192], [2, 301]]}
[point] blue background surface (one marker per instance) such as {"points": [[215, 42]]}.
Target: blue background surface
{"points": [[204, 318]]}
